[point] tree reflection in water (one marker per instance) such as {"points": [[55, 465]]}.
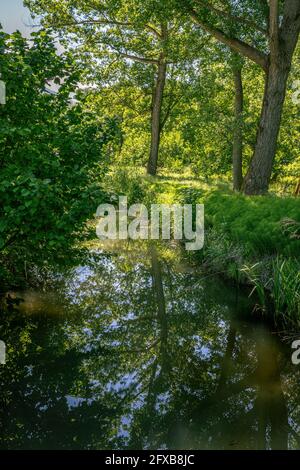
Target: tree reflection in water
{"points": [[141, 351]]}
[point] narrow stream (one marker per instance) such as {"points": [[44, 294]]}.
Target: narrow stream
{"points": [[132, 350]]}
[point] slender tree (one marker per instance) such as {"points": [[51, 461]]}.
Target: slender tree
{"points": [[131, 31], [237, 145]]}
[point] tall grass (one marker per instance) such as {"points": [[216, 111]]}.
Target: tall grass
{"points": [[285, 289], [253, 273], [281, 291]]}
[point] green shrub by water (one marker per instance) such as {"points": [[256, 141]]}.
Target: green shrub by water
{"points": [[259, 223], [254, 240]]}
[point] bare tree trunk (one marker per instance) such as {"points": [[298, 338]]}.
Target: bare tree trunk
{"points": [[237, 150], [156, 115]]}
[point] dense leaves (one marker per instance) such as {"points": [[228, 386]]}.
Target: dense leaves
{"points": [[52, 154]]}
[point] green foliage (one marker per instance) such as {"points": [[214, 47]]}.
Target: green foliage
{"points": [[52, 154], [285, 288], [254, 222], [198, 106], [244, 229], [123, 182], [222, 254], [252, 240], [255, 275]]}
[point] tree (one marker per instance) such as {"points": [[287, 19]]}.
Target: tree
{"points": [[281, 27], [149, 33], [237, 145]]}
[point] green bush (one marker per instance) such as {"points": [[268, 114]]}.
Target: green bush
{"points": [[51, 152], [254, 240], [254, 222]]}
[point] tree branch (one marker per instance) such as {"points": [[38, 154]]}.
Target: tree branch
{"points": [[225, 14], [145, 60], [150, 28], [235, 44], [169, 109], [153, 30], [290, 26]]}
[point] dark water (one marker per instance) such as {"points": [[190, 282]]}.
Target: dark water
{"points": [[134, 350]]}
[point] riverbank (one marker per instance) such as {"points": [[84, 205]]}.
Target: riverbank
{"points": [[253, 241], [249, 241]]}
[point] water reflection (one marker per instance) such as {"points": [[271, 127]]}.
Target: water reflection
{"points": [[143, 352]]}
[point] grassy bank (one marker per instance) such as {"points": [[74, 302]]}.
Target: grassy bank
{"points": [[249, 240]]}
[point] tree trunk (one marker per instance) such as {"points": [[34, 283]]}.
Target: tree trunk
{"points": [[283, 41], [237, 150], [297, 190], [259, 173], [156, 116]]}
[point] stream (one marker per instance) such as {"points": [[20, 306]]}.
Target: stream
{"points": [[133, 349]]}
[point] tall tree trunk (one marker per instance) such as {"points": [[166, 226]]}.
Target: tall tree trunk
{"points": [[156, 115], [259, 173], [237, 150], [283, 41]]}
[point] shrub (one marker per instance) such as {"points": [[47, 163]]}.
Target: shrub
{"points": [[254, 222], [51, 152]]}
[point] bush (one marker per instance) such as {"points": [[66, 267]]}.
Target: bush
{"points": [[51, 152], [254, 240], [254, 222]]}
